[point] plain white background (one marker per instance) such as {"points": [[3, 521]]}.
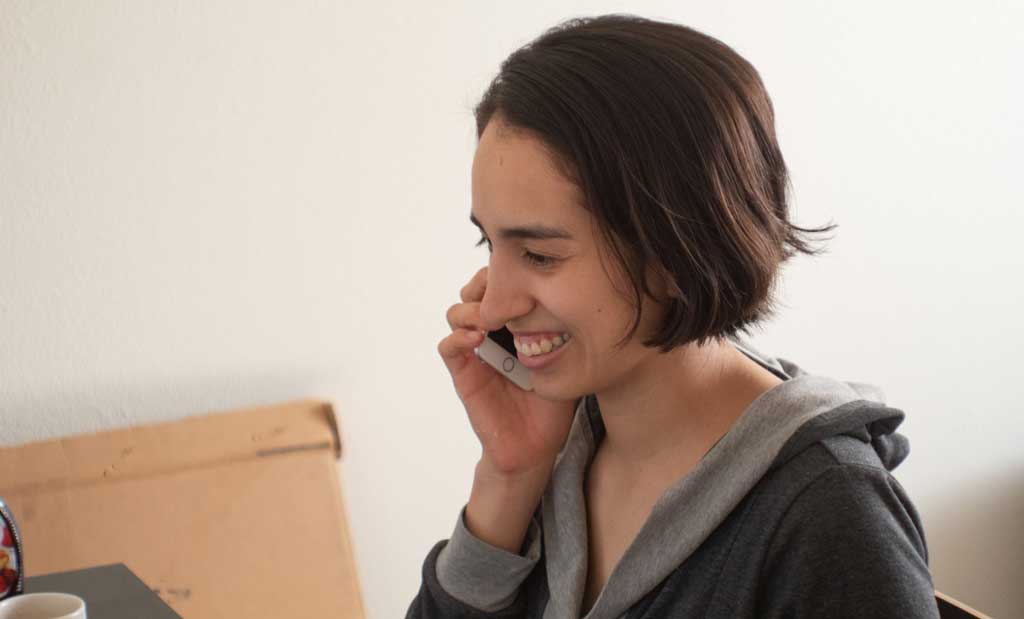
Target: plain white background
{"points": [[212, 204]]}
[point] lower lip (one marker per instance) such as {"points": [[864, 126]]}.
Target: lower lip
{"points": [[541, 361]]}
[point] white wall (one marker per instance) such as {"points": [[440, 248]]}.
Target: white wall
{"points": [[213, 204]]}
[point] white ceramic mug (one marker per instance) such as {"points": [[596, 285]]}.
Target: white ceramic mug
{"points": [[43, 606]]}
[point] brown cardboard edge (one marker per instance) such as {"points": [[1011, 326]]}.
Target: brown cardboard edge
{"points": [[332, 420], [61, 462]]}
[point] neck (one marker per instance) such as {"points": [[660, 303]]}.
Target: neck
{"points": [[676, 405]]}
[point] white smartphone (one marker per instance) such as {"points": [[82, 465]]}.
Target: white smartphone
{"points": [[499, 351]]}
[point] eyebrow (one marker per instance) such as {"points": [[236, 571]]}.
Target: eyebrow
{"points": [[537, 232]]}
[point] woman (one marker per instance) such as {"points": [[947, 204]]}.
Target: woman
{"points": [[629, 186]]}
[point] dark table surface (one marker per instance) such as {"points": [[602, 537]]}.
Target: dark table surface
{"points": [[110, 592]]}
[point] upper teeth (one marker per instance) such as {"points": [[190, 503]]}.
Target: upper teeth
{"points": [[541, 346]]}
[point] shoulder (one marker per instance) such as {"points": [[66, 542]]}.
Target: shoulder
{"points": [[838, 480], [850, 457], [847, 501], [844, 530]]}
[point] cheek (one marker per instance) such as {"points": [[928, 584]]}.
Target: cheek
{"points": [[586, 303]]}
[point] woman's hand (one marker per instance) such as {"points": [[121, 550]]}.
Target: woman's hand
{"points": [[518, 430]]}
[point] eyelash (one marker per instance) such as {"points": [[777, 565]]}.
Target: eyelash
{"points": [[536, 260]]}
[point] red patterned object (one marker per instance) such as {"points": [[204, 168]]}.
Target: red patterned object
{"points": [[12, 581]]}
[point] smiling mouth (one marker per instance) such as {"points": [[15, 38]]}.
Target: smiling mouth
{"points": [[541, 346]]}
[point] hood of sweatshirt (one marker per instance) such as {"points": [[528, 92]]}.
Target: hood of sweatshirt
{"points": [[802, 410]]}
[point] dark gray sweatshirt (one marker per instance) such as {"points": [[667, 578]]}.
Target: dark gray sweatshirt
{"points": [[793, 513]]}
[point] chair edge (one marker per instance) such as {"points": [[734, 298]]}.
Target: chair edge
{"points": [[960, 605]]}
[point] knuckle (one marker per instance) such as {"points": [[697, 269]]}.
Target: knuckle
{"points": [[450, 315], [446, 347]]}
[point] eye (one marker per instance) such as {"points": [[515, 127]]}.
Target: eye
{"points": [[537, 260]]}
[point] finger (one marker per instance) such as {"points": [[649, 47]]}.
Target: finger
{"points": [[474, 290], [464, 316], [457, 349]]}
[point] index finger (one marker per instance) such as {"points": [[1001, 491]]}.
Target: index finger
{"points": [[474, 290]]}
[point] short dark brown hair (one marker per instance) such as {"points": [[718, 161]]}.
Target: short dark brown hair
{"points": [[669, 135]]}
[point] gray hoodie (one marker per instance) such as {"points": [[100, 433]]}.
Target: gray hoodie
{"points": [[792, 513]]}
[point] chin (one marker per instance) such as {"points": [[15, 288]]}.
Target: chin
{"points": [[555, 393]]}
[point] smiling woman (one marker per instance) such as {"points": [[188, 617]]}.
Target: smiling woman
{"points": [[630, 190]]}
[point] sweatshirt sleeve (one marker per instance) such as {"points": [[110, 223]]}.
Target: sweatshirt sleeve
{"points": [[465, 577], [850, 545]]}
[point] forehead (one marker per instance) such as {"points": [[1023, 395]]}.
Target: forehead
{"points": [[515, 176]]}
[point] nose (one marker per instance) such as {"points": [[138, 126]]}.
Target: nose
{"points": [[505, 298]]}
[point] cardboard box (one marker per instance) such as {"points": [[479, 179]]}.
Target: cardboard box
{"points": [[235, 514]]}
